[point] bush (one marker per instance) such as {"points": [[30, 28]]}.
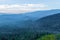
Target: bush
{"points": [[48, 37]]}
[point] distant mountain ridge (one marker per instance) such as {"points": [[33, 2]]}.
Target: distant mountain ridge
{"points": [[31, 15], [29, 26], [27, 20], [50, 23]]}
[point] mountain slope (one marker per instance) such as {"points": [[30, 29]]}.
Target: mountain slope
{"points": [[27, 20], [50, 23], [29, 26]]}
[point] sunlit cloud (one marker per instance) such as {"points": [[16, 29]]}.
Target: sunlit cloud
{"points": [[21, 8]]}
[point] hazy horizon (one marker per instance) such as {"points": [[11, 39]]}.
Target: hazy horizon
{"points": [[22, 6]]}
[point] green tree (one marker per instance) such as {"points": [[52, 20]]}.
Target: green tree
{"points": [[48, 37]]}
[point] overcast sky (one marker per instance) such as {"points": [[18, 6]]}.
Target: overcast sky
{"points": [[21, 6]]}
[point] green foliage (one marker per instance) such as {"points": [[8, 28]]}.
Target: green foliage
{"points": [[48, 37], [58, 37], [30, 36]]}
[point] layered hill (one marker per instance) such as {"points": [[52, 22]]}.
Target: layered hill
{"points": [[29, 26], [13, 22], [50, 23]]}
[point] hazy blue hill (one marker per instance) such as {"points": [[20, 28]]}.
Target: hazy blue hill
{"points": [[29, 15], [29, 26], [50, 23], [40, 14], [27, 20]]}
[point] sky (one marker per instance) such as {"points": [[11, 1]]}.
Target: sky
{"points": [[22, 6]]}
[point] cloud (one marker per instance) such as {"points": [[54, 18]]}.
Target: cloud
{"points": [[21, 8]]}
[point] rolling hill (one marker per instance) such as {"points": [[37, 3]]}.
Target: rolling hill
{"points": [[50, 23], [29, 26]]}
